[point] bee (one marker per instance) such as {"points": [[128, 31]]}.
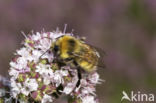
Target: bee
{"points": [[74, 51], [69, 48]]}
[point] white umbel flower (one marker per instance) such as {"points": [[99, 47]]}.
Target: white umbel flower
{"points": [[37, 76]]}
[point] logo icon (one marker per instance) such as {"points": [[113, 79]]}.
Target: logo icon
{"points": [[137, 97], [125, 96]]}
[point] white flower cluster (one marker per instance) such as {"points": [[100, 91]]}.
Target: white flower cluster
{"points": [[35, 77]]}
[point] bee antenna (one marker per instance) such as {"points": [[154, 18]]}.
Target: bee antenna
{"points": [[44, 53], [65, 28]]}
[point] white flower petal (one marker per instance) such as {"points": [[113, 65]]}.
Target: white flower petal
{"points": [[47, 99], [88, 99]]}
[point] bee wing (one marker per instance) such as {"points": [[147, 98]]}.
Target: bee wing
{"points": [[99, 50], [101, 63], [83, 56], [101, 53]]}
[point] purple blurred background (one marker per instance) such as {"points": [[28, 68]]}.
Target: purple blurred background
{"points": [[125, 29]]}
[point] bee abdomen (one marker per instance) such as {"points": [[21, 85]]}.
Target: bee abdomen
{"points": [[86, 65]]}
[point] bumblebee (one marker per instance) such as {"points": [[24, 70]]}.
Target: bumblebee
{"points": [[74, 51], [77, 52]]}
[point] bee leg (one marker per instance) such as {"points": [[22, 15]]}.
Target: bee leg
{"points": [[78, 74]]}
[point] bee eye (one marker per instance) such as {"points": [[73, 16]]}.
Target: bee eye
{"points": [[56, 48]]}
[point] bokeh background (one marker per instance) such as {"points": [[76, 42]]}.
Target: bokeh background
{"points": [[124, 29]]}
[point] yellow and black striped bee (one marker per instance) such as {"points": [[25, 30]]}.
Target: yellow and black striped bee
{"points": [[69, 48], [74, 51]]}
